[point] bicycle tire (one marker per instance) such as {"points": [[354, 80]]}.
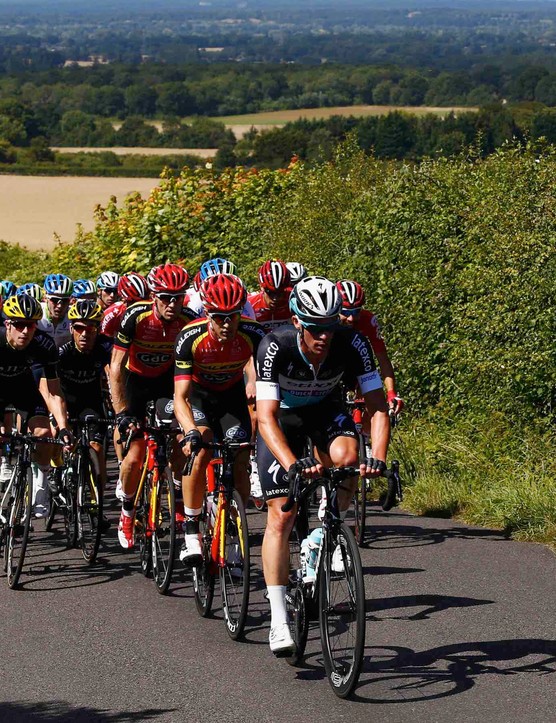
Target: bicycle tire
{"points": [[51, 515], [360, 510], [203, 574], [341, 610], [298, 617], [69, 492], [89, 506], [235, 574], [164, 532], [142, 532], [18, 526]]}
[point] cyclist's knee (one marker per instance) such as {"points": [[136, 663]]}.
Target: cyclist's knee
{"points": [[278, 522], [344, 452]]}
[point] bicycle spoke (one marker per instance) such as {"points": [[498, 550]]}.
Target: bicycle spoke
{"points": [[234, 574], [164, 532]]}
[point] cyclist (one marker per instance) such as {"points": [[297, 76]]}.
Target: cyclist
{"points": [[22, 346], [365, 322], [298, 272], [299, 370], [271, 302], [212, 267], [81, 368], [141, 370], [209, 391], [107, 288], [84, 289], [132, 287], [57, 289]]}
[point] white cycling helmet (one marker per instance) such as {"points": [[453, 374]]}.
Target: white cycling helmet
{"points": [[297, 271], [108, 280], [316, 300]]}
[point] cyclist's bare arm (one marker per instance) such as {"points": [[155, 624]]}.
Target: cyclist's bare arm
{"points": [[55, 402], [250, 381], [386, 370], [117, 379], [380, 422], [182, 406]]}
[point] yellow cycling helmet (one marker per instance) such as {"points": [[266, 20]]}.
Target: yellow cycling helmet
{"points": [[22, 307], [85, 310]]}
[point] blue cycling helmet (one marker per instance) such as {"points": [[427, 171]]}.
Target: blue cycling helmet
{"points": [[108, 280], [7, 288], [30, 289], [58, 285], [83, 288], [217, 266]]}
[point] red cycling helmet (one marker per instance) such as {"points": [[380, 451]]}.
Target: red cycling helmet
{"points": [[197, 281], [223, 293], [352, 294], [274, 276], [133, 287], [168, 279]]}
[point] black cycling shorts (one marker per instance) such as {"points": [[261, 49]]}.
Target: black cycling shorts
{"points": [[140, 390], [22, 392], [225, 412], [321, 422]]}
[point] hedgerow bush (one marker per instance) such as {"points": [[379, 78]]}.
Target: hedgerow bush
{"points": [[458, 259]]}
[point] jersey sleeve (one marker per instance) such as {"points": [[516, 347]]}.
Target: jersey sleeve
{"points": [[362, 365], [371, 329], [45, 356], [268, 357], [183, 354], [255, 332], [126, 332]]}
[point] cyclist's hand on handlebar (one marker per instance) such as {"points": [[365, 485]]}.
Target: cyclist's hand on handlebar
{"points": [[191, 442], [395, 403], [125, 422], [308, 467], [372, 467], [66, 437]]}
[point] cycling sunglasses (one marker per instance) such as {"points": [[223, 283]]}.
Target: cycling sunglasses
{"points": [[169, 298], [350, 312], [110, 290], [223, 318], [59, 300], [82, 328], [20, 325], [316, 329]]}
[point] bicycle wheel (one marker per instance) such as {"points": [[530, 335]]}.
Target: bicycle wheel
{"points": [[295, 596], [69, 510], [89, 506], [234, 574], [341, 609], [143, 533], [51, 515], [203, 574], [360, 510], [18, 525], [164, 531]]}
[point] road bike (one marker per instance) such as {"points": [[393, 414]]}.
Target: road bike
{"points": [[337, 592], [225, 541], [17, 502], [155, 501]]}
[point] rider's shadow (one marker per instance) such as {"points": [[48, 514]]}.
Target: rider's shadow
{"points": [[416, 607]]}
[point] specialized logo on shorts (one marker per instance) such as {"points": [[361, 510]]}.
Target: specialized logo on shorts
{"points": [[236, 434], [274, 469]]}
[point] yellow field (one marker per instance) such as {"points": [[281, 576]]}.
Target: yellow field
{"points": [[140, 151], [34, 208]]}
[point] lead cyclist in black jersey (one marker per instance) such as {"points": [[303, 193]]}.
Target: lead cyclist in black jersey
{"points": [[299, 370]]}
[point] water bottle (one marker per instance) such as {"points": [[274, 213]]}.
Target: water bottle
{"points": [[309, 554]]}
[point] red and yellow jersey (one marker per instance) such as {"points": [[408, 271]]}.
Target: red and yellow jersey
{"points": [[267, 318], [367, 324], [112, 318], [213, 364], [149, 339]]}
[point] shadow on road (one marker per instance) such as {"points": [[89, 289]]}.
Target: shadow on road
{"points": [[430, 604], [386, 536], [61, 712], [401, 675]]}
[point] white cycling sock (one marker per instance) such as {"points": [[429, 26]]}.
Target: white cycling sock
{"points": [[40, 481], [277, 600], [190, 512]]}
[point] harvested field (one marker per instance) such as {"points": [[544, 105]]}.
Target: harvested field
{"points": [[34, 208], [138, 151]]}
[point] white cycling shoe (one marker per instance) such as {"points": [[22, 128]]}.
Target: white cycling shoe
{"points": [[281, 641]]}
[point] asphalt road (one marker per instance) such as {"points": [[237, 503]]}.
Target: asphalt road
{"points": [[461, 626]]}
